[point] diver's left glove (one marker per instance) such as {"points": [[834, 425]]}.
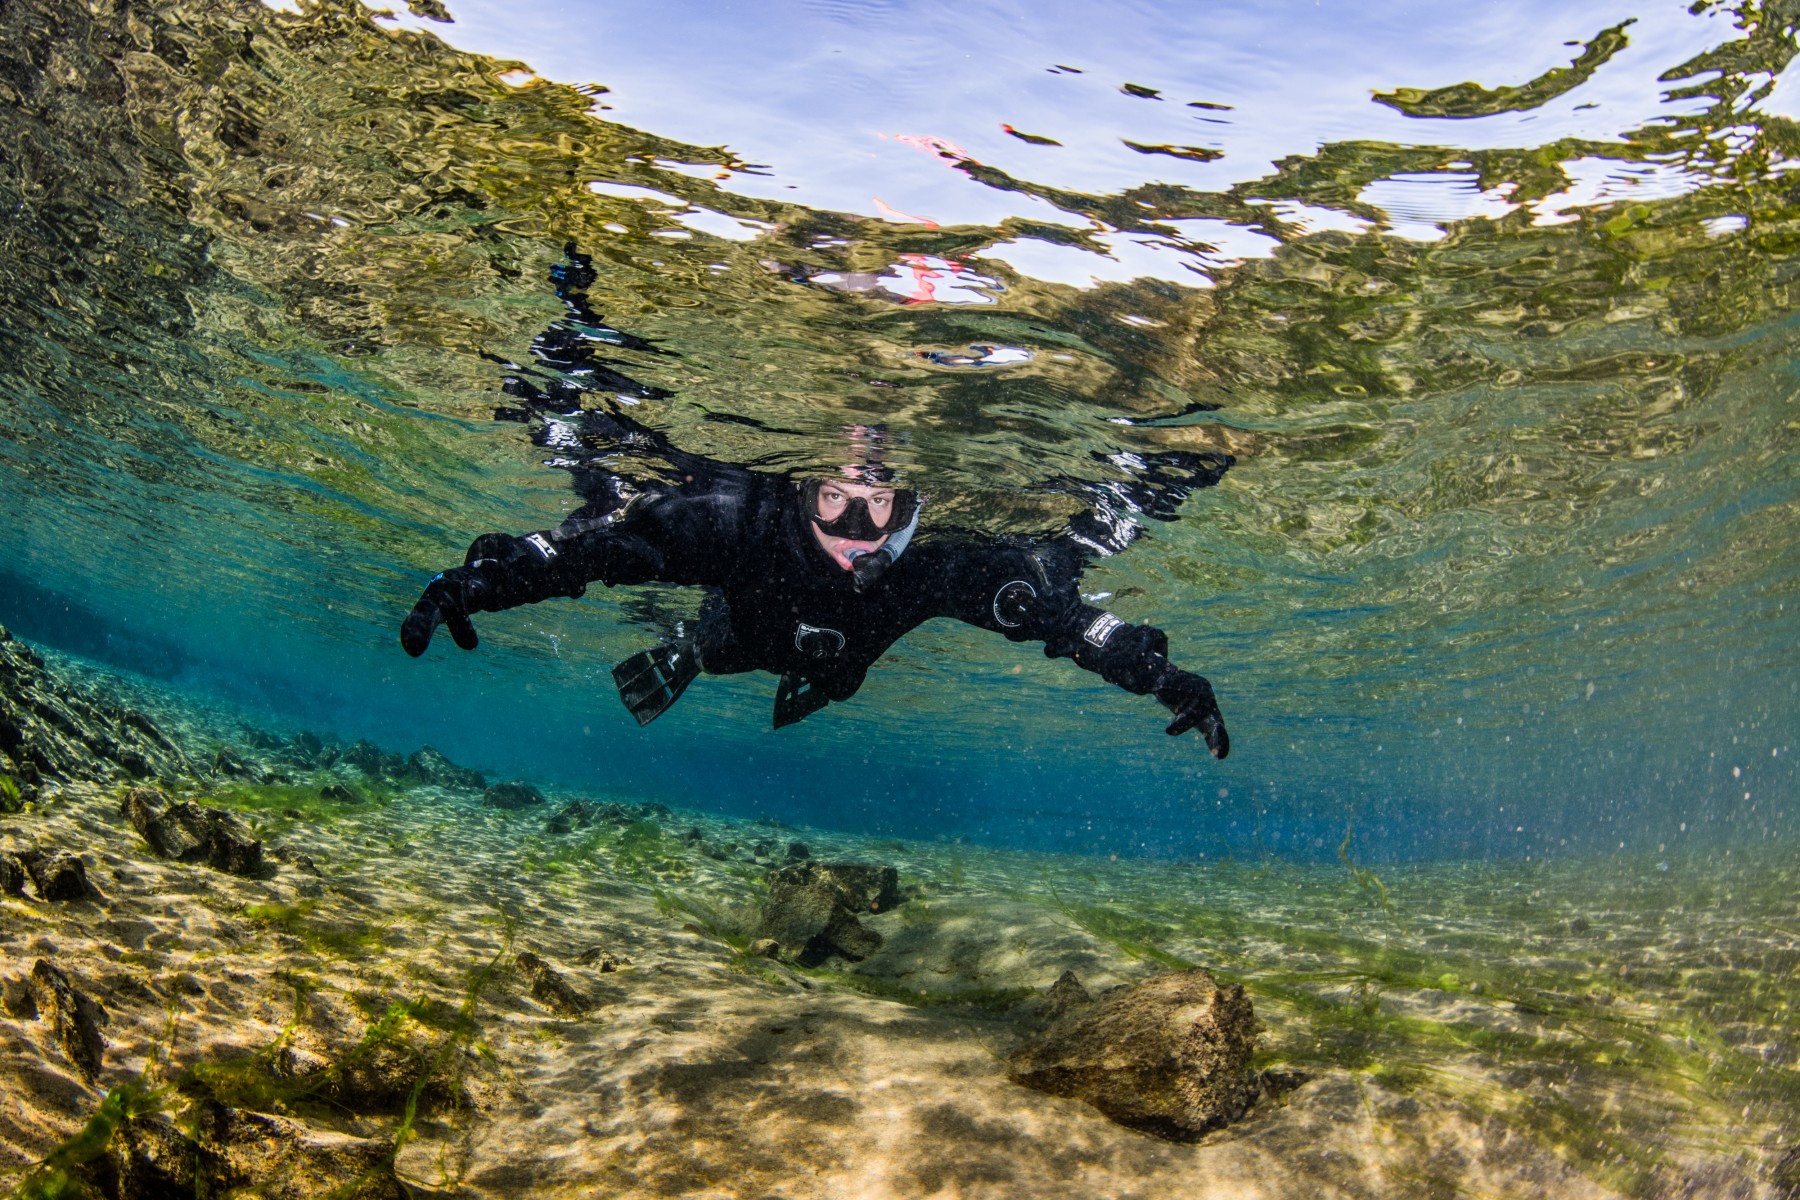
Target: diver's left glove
{"points": [[1190, 698], [499, 572]]}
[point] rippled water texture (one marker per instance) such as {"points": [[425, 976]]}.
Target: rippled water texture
{"points": [[1494, 310]]}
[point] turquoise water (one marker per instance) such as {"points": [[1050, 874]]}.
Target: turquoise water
{"points": [[1506, 568]]}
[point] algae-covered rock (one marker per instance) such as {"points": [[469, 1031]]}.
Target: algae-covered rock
{"points": [[189, 832], [1169, 1056], [511, 796], [57, 875], [74, 1019], [811, 910], [549, 987]]}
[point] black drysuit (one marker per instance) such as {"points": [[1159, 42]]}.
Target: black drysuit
{"points": [[776, 602]]}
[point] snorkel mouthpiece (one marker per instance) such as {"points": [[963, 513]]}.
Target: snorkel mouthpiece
{"points": [[868, 566]]}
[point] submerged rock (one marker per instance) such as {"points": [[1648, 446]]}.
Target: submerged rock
{"points": [[549, 988], [57, 875], [372, 760], [150, 1157], [576, 814], [12, 876], [227, 763], [74, 1019], [428, 765], [511, 796], [50, 729], [1169, 1056], [602, 959], [341, 793], [189, 832], [811, 910], [1061, 999], [282, 1159]]}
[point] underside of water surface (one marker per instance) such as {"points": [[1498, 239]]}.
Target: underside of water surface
{"points": [[1493, 312]]}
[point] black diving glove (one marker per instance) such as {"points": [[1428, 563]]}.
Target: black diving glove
{"points": [[1190, 698], [499, 572]]}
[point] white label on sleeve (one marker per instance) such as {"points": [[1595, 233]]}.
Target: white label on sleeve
{"points": [[1101, 629]]}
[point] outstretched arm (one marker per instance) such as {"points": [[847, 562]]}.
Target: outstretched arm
{"points": [[655, 536], [1019, 594]]}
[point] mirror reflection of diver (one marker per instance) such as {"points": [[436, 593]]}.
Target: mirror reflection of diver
{"points": [[814, 579]]}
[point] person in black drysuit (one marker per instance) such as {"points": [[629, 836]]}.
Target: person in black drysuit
{"points": [[811, 580]]}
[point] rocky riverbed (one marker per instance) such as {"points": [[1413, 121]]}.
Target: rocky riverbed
{"points": [[426, 982]]}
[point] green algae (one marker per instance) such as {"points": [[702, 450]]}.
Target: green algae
{"points": [[327, 938], [60, 1176], [1367, 880]]}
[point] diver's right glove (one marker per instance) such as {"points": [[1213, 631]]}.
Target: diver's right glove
{"points": [[1190, 698], [499, 572]]}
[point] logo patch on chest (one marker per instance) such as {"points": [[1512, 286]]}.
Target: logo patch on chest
{"points": [[1102, 628], [815, 641]]}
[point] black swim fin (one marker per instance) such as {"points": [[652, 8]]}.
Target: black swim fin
{"points": [[797, 699], [651, 680]]}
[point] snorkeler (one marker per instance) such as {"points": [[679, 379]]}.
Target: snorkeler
{"points": [[812, 580]]}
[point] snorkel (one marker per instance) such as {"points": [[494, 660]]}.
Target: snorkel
{"points": [[866, 566]]}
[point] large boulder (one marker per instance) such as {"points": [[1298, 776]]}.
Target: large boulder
{"points": [[1169, 1056], [812, 908], [189, 832], [512, 795]]}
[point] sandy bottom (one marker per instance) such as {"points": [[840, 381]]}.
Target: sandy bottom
{"points": [[1504, 1030]]}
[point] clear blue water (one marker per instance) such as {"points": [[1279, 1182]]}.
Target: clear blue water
{"points": [[1506, 567]]}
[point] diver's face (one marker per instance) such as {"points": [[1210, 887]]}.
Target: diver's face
{"points": [[834, 498]]}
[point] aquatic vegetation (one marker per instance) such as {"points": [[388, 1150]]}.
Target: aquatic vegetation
{"points": [[642, 851], [60, 1176], [1367, 880], [326, 937]]}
